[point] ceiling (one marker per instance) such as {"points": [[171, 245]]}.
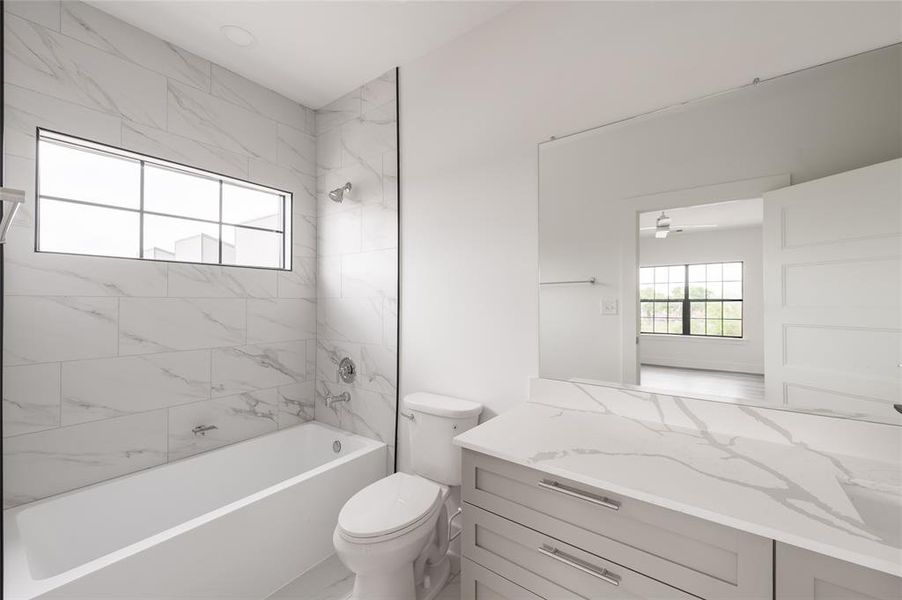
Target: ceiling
{"points": [[312, 52], [726, 215]]}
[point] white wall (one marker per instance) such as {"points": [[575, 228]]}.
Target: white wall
{"points": [[473, 111], [729, 245]]}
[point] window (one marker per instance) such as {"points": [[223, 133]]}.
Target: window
{"points": [[698, 300], [102, 201]]}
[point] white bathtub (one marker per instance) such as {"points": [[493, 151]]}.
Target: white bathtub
{"points": [[235, 523]]}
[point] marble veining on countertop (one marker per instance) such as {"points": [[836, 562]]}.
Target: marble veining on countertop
{"points": [[764, 471]]}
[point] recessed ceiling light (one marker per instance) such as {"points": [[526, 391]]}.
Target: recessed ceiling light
{"points": [[238, 35]]}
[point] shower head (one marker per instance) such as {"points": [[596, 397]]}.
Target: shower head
{"points": [[338, 194]]}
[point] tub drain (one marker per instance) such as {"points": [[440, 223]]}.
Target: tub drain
{"points": [[336, 446]]}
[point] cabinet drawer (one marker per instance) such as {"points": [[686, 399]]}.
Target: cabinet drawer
{"points": [[550, 568], [804, 575], [703, 558], [478, 583]]}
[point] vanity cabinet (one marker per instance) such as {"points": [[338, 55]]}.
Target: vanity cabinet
{"points": [[560, 539], [805, 575]]}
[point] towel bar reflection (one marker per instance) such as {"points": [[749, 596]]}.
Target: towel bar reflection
{"points": [[590, 281]]}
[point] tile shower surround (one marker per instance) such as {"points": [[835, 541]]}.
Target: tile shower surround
{"points": [[109, 363], [357, 259]]}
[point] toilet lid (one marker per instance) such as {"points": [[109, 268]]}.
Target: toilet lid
{"points": [[388, 505]]}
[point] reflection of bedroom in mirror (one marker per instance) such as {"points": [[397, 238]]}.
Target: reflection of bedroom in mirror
{"points": [[701, 300]]}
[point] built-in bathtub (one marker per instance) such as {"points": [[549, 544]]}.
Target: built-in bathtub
{"points": [[235, 523]]}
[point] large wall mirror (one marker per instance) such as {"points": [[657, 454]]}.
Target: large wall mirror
{"points": [[743, 247]]}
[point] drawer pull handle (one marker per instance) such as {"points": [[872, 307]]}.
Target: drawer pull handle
{"points": [[582, 565], [569, 491]]}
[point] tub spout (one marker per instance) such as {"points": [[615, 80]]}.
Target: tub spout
{"points": [[332, 399], [203, 429]]}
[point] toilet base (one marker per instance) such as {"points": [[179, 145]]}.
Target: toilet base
{"points": [[435, 580]]}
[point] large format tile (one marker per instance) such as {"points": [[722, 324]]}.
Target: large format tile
{"points": [[258, 367], [300, 282], [280, 320], [303, 235], [31, 398], [297, 150], [53, 328], [366, 182], [236, 418], [380, 228], [215, 121], [102, 30], [57, 460], [19, 173], [254, 97], [25, 110], [350, 320], [377, 365], [42, 274], [379, 92], [112, 387], [369, 414], [301, 185], [370, 274], [183, 150], [163, 324], [57, 65], [43, 12], [296, 403], [340, 111], [366, 138], [340, 233], [209, 281]]}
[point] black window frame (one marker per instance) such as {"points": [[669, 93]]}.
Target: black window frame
{"points": [[687, 307], [287, 202]]}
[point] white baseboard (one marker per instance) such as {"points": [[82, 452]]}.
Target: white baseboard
{"points": [[708, 365]]}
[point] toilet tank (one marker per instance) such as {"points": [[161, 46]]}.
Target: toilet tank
{"points": [[436, 420]]}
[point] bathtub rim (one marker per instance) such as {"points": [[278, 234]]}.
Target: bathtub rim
{"points": [[18, 582]]}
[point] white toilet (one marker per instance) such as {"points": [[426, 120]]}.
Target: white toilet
{"points": [[394, 533]]}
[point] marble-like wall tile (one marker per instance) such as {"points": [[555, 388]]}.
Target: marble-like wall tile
{"points": [[379, 91], [377, 365], [303, 235], [113, 387], [42, 464], [328, 149], [390, 322], [162, 144], [367, 188], [31, 398], [350, 320], [380, 228], [257, 367], [102, 30], [42, 12], [254, 97], [53, 328], [300, 282], [25, 110], [370, 274], [340, 111], [217, 122], [296, 404], [166, 324], [390, 191], [280, 320], [236, 418], [368, 413], [340, 233], [301, 186], [57, 65], [41, 274], [364, 140], [297, 150], [310, 362], [328, 277], [208, 281]]}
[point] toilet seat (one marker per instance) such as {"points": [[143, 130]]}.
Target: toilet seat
{"points": [[389, 508]]}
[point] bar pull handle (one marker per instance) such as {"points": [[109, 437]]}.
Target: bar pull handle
{"points": [[576, 563], [575, 493]]}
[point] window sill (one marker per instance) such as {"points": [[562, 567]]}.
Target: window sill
{"points": [[693, 338]]}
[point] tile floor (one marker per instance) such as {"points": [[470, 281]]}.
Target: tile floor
{"points": [[331, 580]]}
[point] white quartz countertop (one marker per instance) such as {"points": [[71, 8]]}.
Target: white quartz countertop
{"points": [[739, 466]]}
